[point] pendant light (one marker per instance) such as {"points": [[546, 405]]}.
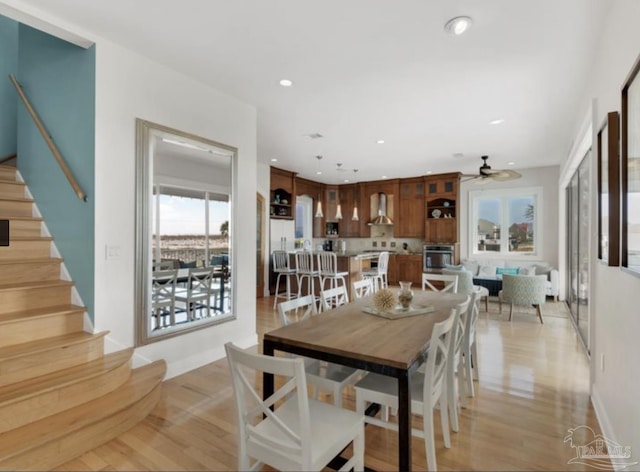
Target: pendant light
{"points": [[319, 213], [355, 216], [339, 213]]}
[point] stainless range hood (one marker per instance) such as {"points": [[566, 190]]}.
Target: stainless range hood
{"points": [[382, 218]]}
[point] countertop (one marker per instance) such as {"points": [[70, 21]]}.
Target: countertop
{"points": [[366, 254]]}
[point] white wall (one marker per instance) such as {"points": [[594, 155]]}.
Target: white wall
{"points": [[129, 86], [152, 92], [264, 189], [615, 323], [545, 177]]}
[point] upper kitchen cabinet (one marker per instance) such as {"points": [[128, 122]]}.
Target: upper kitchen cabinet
{"points": [[411, 202], [282, 195], [441, 201], [350, 203], [442, 185]]}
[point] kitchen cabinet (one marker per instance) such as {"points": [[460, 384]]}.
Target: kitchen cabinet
{"points": [[441, 222], [282, 194], [410, 220], [441, 230], [409, 269]]}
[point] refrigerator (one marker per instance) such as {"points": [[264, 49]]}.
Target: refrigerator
{"points": [[282, 236]]}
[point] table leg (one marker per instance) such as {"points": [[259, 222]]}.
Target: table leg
{"points": [[267, 378], [404, 423]]}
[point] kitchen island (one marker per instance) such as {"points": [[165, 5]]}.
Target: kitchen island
{"points": [[351, 262]]}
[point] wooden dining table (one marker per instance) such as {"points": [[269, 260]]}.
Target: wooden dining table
{"points": [[348, 336]]}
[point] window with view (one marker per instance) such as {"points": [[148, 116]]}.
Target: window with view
{"points": [[505, 221]]}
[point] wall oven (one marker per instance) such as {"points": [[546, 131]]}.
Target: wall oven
{"points": [[435, 256]]}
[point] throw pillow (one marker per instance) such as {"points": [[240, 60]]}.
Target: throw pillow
{"points": [[531, 270], [507, 270], [487, 270], [471, 266], [542, 269]]}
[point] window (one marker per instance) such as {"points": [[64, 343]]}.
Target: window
{"points": [[180, 218], [505, 221]]}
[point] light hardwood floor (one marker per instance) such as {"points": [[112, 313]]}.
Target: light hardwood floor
{"points": [[533, 387]]}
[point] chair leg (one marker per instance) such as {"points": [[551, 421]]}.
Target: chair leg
{"points": [[429, 441], [499, 302], [462, 387], [474, 360], [510, 311], [539, 313], [486, 304]]}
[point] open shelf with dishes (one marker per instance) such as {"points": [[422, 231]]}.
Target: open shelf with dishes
{"points": [[441, 208], [281, 205]]}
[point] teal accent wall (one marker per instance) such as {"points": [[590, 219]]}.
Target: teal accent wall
{"points": [[59, 79], [8, 96]]}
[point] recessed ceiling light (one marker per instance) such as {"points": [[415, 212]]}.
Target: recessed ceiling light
{"points": [[346, 181], [319, 172], [429, 172], [499, 121], [380, 141], [511, 163], [458, 25], [274, 160], [384, 177], [286, 82]]}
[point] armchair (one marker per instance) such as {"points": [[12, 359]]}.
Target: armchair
{"points": [[523, 290]]}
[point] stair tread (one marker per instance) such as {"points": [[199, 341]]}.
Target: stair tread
{"points": [[37, 284], [22, 218], [31, 347], [17, 199], [38, 385], [38, 260], [40, 313], [27, 437]]}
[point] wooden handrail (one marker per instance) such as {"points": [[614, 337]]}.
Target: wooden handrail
{"points": [[47, 138], [7, 158]]}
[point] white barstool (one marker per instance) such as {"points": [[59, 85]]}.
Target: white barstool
{"points": [[378, 274], [305, 269], [328, 268], [282, 268]]}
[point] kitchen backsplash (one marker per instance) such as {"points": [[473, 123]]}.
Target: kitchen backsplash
{"points": [[381, 243]]}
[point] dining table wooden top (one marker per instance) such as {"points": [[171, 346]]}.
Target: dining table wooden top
{"points": [[348, 332]]}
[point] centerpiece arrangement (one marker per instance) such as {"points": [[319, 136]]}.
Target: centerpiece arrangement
{"points": [[393, 304]]}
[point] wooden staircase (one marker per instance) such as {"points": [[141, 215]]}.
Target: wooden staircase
{"points": [[60, 395]]}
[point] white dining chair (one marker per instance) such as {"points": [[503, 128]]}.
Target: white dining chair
{"points": [[163, 300], [334, 297], [288, 430], [428, 388], [362, 288], [469, 361], [198, 293], [449, 282]]}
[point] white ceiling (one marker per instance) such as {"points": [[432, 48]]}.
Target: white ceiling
{"points": [[366, 70]]}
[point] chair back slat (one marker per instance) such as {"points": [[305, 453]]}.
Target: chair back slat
{"points": [[334, 297], [450, 282], [327, 263], [280, 261], [304, 262], [362, 288], [297, 309]]}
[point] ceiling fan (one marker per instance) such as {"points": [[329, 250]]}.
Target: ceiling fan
{"points": [[486, 174]]}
